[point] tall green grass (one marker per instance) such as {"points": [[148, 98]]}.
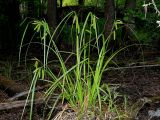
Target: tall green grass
{"points": [[80, 84]]}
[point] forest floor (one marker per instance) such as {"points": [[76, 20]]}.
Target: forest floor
{"points": [[138, 82]]}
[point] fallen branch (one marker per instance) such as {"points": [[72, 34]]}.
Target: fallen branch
{"points": [[21, 94], [20, 103], [132, 67]]}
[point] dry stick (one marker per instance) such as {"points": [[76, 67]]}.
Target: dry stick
{"points": [[18, 95], [26, 92], [20, 103], [131, 67]]}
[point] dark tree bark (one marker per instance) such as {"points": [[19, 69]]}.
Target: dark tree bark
{"points": [[80, 2], [130, 4], [13, 20], [31, 8], [61, 2], [52, 20], [52, 13], [109, 16]]}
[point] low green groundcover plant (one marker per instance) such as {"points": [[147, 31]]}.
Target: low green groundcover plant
{"points": [[78, 85]]}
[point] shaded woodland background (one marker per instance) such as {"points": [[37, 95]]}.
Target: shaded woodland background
{"points": [[136, 28], [136, 68]]}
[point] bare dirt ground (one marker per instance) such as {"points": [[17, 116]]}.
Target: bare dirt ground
{"points": [[137, 83]]}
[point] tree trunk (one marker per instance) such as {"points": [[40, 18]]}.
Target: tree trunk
{"points": [[61, 3], [80, 2], [130, 4], [13, 20], [52, 13], [52, 20], [31, 9], [109, 16]]}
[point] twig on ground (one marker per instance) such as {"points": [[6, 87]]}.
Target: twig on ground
{"points": [[132, 67], [26, 92], [20, 103]]}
